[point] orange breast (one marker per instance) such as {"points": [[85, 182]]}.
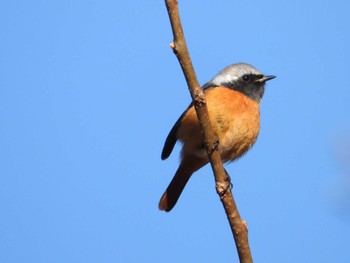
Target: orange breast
{"points": [[235, 119]]}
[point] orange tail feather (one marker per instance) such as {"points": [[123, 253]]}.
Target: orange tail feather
{"points": [[178, 183]]}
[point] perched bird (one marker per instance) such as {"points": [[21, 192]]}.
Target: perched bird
{"points": [[233, 99]]}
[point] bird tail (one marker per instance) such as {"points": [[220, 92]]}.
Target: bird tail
{"points": [[178, 183]]}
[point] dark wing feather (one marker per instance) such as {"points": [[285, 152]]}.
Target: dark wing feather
{"points": [[172, 136]]}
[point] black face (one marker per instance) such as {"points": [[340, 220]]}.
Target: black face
{"points": [[248, 84]]}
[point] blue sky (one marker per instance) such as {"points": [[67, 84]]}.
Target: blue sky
{"points": [[89, 91]]}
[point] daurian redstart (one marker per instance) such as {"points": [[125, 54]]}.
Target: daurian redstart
{"points": [[233, 100]]}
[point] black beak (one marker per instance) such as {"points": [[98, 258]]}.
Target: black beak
{"points": [[265, 78]]}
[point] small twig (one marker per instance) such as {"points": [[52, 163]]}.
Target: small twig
{"points": [[223, 185]]}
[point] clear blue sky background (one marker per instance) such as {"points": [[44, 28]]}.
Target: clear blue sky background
{"points": [[89, 91]]}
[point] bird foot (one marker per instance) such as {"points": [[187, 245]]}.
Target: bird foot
{"points": [[229, 185], [215, 147]]}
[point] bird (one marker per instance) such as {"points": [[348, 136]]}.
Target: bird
{"points": [[233, 99]]}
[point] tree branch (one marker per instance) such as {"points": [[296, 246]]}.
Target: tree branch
{"points": [[222, 181]]}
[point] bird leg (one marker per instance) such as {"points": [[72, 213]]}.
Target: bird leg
{"points": [[214, 147], [228, 186]]}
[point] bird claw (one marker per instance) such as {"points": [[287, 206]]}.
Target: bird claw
{"points": [[229, 185], [215, 147]]}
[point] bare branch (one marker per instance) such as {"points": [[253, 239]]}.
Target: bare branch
{"points": [[238, 226]]}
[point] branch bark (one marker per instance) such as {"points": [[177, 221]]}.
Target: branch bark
{"points": [[222, 182]]}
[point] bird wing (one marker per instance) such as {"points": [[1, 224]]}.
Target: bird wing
{"points": [[172, 136]]}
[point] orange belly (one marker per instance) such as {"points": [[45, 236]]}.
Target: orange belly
{"points": [[235, 119]]}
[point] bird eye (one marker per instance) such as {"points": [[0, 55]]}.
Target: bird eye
{"points": [[246, 78]]}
